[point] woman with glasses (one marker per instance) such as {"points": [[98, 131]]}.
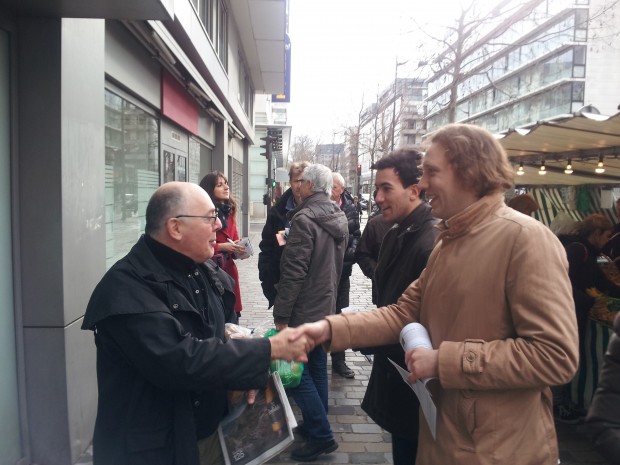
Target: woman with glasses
{"points": [[216, 185]]}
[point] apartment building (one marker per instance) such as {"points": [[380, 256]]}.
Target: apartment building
{"points": [[100, 103], [394, 121], [532, 61]]}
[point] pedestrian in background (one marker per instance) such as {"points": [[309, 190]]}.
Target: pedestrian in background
{"points": [[403, 255], [500, 336], [216, 185], [341, 197], [523, 203], [310, 270], [270, 248], [158, 315]]}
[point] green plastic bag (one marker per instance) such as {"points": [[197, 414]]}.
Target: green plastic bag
{"points": [[290, 372]]}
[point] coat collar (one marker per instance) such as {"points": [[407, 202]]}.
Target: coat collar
{"points": [[463, 222], [415, 219]]}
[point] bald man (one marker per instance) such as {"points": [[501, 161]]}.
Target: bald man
{"points": [[163, 366]]}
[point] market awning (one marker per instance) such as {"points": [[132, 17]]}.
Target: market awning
{"points": [[581, 138]]}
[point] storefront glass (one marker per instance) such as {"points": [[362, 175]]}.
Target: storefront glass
{"points": [[10, 442], [132, 172]]}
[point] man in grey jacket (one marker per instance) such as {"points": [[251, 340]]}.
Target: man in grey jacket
{"points": [[310, 270]]}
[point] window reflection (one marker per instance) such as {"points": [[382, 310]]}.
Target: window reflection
{"points": [[131, 172]]}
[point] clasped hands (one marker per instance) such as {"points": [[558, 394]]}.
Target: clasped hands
{"points": [[295, 343]]}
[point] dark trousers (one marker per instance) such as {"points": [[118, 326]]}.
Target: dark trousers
{"points": [[404, 450], [342, 301]]}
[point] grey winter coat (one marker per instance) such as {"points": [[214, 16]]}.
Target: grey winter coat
{"points": [[311, 262]]}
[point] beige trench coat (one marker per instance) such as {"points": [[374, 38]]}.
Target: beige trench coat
{"points": [[496, 300]]}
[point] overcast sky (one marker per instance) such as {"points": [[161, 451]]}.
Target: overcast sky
{"points": [[344, 51]]}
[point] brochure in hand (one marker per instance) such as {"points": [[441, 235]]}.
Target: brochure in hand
{"points": [[253, 434], [412, 336], [249, 250]]}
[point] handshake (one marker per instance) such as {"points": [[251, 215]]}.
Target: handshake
{"points": [[295, 343]]}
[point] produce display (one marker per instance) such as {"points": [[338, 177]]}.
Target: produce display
{"points": [[605, 308]]}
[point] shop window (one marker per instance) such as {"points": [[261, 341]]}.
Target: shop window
{"points": [[131, 172], [10, 439], [175, 167]]}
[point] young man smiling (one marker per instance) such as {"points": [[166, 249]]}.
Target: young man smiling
{"points": [[403, 255]]}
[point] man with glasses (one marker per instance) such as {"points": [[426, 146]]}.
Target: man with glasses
{"points": [[270, 249], [163, 367]]}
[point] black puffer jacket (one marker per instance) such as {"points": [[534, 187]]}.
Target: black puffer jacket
{"points": [[604, 413], [163, 368], [353, 224], [270, 250], [403, 255]]}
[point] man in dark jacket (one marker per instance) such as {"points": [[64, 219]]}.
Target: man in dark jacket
{"points": [[403, 255], [158, 316], [344, 200], [309, 273], [270, 249]]}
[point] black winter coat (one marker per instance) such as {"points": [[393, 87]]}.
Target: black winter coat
{"points": [[270, 250], [353, 224], [162, 366], [404, 252]]}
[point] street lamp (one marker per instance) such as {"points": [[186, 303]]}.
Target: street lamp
{"points": [[394, 102]]}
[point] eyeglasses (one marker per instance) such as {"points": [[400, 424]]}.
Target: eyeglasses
{"points": [[209, 219]]}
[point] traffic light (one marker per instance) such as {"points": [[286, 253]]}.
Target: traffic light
{"points": [[359, 170], [266, 199], [267, 146], [270, 182]]}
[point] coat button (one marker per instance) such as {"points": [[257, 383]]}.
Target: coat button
{"points": [[196, 403], [471, 357], [175, 306]]}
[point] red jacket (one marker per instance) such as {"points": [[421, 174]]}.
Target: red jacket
{"points": [[226, 260]]}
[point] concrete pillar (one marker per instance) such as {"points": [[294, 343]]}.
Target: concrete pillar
{"points": [[61, 155]]}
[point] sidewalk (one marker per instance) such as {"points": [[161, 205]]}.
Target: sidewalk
{"points": [[360, 440]]}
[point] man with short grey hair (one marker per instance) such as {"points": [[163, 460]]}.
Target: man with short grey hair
{"points": [[341, 197], [310, 270]]}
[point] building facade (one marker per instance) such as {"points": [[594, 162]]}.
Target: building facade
{"points": [[271, 120], [395, 121], [95, 113], [539, 59]]}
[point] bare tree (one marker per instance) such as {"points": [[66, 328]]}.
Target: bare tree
{"points": [[477, 34], [303, 149], [374, 133]]}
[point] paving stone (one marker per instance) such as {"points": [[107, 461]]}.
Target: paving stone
{"points": [[352, 437], [368, 457], [366, 428]]}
